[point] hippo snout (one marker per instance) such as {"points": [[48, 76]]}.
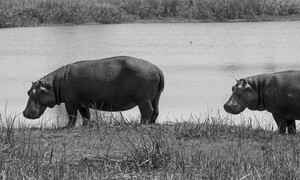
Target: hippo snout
{"points": [[226, 107], [27, 115], [231, 108], [30, 114]]}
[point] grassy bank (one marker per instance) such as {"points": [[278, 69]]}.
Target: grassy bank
{"points": [[15, 13], [118, 149]]}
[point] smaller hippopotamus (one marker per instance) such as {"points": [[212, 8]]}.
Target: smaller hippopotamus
{"points": [[278, 93], [111, 84]]}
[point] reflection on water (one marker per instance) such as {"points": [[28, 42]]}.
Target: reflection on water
{"points": [[198, 75]]}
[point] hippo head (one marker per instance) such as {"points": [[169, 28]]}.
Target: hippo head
{"points": [[243, 96], [41, 96]]}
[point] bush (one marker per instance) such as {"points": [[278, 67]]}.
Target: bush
{"points": [[34, 13]]}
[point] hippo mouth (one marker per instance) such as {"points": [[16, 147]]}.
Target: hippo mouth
{"points": [[33, 112], [234, 109]]}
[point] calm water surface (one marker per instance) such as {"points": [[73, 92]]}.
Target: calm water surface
{"points": [[200, 61]]}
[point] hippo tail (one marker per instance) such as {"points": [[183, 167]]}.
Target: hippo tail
{"points": [[161, 85], [155, 100]]}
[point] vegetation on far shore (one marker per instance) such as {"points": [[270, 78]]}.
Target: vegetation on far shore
{"points": [[15, 13], [115, 148]]}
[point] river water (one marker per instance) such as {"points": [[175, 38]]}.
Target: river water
{"points": [[200, 61]]}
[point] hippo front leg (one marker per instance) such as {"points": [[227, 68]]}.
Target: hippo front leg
{"points": [[86, 115], [291, 126], [281, 123], [72, 113]]}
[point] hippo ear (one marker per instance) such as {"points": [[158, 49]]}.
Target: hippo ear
{"points": [[245, 84], [248, 86], [41, 82]]}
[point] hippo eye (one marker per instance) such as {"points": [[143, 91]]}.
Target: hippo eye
{"points": [[31, 92]]}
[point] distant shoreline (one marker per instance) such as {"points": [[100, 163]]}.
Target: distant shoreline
{"points": [[257, 19], [177, 20], [31, 13]]}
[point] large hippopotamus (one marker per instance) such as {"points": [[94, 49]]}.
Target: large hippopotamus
{"points": [[111, 84], [278, 93]]}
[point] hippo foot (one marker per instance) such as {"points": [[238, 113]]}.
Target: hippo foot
{"points": [[89, 125], [68, 126], [145, 122], [293, 132]]}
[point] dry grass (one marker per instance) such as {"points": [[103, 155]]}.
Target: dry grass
{"points": [[211, 148], [15, 13]]}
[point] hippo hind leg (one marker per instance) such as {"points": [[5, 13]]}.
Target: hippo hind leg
{"points": [[155, 103], [86, 115], [291, 126], [146, 110]]}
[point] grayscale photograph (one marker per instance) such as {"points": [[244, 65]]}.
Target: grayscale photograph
{"points": [[149, 89]]}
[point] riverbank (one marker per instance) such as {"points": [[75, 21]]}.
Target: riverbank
{"points": [[15, 13], [117, 148]]}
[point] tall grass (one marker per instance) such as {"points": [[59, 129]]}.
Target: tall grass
{"points": [[15, 13], [211, 148]]}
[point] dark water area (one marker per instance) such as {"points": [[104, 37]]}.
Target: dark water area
{"points": [[200, 60]]}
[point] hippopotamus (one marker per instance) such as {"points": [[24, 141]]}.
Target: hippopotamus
{"points": [[110, 84], [278, 93]]}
